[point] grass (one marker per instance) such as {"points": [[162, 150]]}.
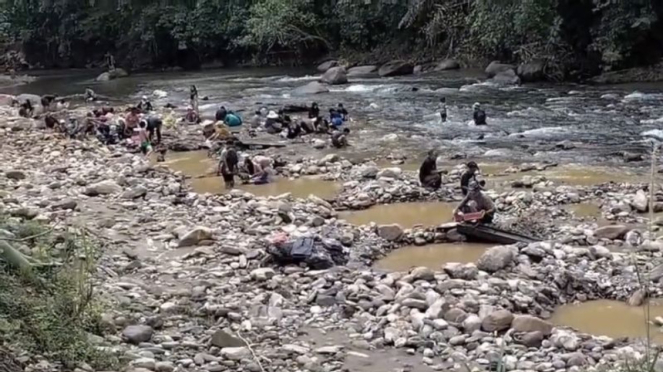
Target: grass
{"points": [[51, 309]]}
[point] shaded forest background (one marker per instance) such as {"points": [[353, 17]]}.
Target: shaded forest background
{"points": [[573, 37]]}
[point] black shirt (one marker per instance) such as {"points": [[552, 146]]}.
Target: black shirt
{"points": [[153, 122], [465, 181], [221, 114], [427, 168], [479, 117]]}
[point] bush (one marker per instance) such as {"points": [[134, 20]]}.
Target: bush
{"points": [[50, 309]]}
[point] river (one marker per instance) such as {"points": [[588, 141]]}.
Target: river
{"points": [[525, 122]]}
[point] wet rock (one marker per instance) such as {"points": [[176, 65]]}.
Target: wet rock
{"points": [[532, 339], [565, 145], [147, 363], [15, 175], [112, 75], [390, 232], [611, 232], [496, 258], [390, 173], [136, 192], [164, 367], [335, 76], [370, 171], [565, 340], [136, 334], [528, 323], [313, 87], [497, 321], [422, 273], [262, 274], [195, 236], [222, 339], [396, 68], [577, 360], [66, 204], [324, 66], [461, 271], [598, 251], [508, 77], [236, 353], [630, 157], [640, 201], [107, 187], [637, 298], [414, 303], [362, 71], [455, 315], [471, 323], [496, 67], [531, 71], [447, 64]]}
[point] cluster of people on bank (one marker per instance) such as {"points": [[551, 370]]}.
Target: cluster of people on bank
{"points": [[474, 201]]}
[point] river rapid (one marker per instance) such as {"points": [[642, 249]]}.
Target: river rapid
{"points": [[525, 123]]}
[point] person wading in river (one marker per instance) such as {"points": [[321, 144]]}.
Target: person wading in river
{"points": [[479, 115], [228, 165], [443, 109], [429, 176]]}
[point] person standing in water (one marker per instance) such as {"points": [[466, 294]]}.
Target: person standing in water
{"points": [[194, 98], [443, 109], [228, 165], [479, 114]]}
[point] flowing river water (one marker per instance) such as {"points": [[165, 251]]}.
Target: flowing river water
{"points": [[525, 124]]}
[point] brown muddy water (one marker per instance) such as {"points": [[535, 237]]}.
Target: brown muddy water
{"points": [[405, 214], [299, 188], [433, 256], [610, 318], [197, 163], [584, 210]]}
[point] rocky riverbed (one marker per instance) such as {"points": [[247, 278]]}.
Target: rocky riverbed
{"points": [[190, 286]]}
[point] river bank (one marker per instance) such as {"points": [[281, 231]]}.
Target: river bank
{"points": [[188, 284]]}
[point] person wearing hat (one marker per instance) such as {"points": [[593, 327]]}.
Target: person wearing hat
{"points": [[145, 105], [429, 176], [479, 114], [468, 176], [477, 202], [273, 123]]}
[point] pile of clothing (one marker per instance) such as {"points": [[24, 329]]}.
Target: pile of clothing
{"points": [[316, 252]]}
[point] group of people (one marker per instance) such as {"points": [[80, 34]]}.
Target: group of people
{"points": [[478, 114], [474, 201], [257, 170]]}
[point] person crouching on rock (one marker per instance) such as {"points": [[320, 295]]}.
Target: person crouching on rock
{"points": [[50, 121], [259, 171], [191, 116], [429, 176], [339, 139], [477, 202], [154, 125], [228, 165]]}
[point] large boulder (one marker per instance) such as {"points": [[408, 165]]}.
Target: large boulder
{"points": [[497, 321], [396, 68], [390, 232], [640, 201], [112, 75], [313, 87], [136, 334], [324, 66], [497, 258], [368, 70], [528, 323], [195, 236], [611, 232], [531, 71], [507, 77], [496, 67], [103, 188], [447, 64], [334, 76]]}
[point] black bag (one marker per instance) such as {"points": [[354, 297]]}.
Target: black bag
{"points": [[302, 248]]}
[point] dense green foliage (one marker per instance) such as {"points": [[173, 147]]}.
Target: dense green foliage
{"points": [[51, 309], [581, 35]]}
